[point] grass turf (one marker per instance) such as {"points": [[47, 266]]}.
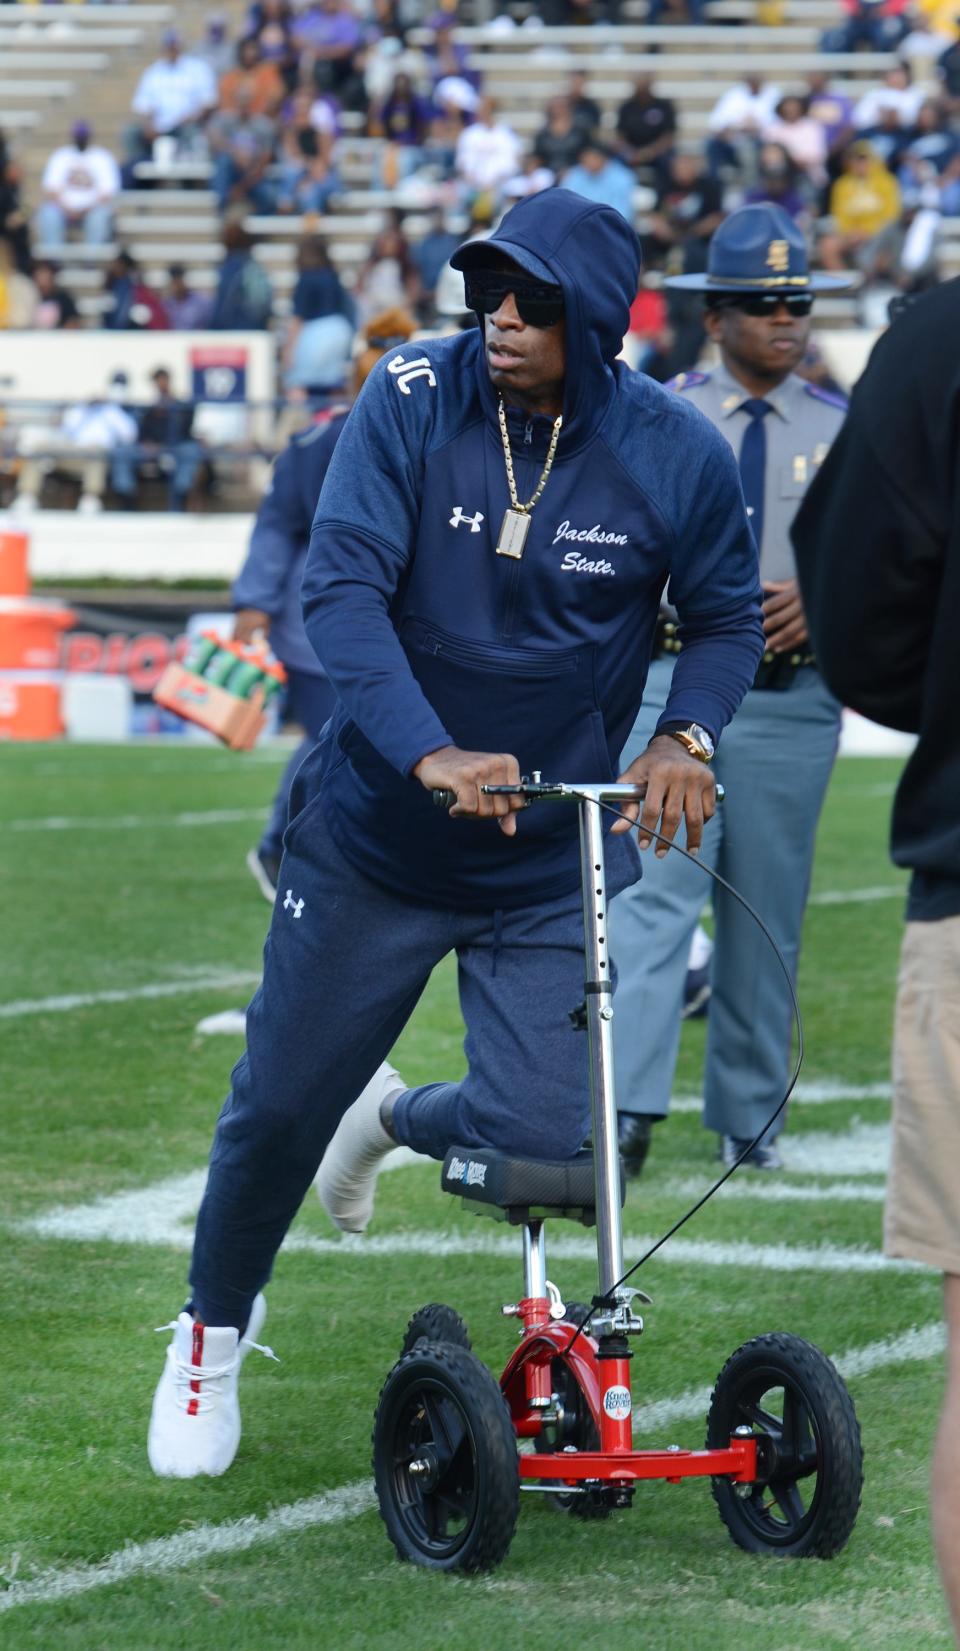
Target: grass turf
{"points": [[104, 1098]]}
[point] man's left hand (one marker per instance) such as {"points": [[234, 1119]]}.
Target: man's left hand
{"points": [[784, 621], [678, 787]]}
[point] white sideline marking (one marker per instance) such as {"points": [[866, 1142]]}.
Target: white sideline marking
{"points": [[162, 1214], [855, 897], [862, 1150], [815, 1093], [173, 1553], [774, 1190], [216, 980], [912, 1346], [132, 822], [233, 1022]]}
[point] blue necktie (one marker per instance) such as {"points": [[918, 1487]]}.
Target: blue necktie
{"points": [[753, 463]]}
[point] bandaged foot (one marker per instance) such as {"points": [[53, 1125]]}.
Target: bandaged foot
{"points": [[346, 1180]]}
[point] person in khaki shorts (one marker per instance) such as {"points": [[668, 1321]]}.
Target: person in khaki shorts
{"points": [[878, 554]]}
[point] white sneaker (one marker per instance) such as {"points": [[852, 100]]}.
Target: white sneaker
{"points": [[346, 1180], [195, 1422]]}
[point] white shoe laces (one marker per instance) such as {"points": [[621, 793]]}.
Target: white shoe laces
{"points": [[209, 1377]]}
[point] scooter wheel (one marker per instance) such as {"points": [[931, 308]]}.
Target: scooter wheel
{"points": [[805, 1499], [445, 1461], [579, 1430], [435, 1323]]}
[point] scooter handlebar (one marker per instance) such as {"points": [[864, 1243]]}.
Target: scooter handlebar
{"points": [[531, 791]]}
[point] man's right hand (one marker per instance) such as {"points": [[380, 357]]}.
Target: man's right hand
{"points": [[464, 772], [250, 623]]}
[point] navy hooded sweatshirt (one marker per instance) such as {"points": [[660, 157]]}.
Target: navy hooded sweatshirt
{"points": [[431, 639]]}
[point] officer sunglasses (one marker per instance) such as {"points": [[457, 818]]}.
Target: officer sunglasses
{"points": [[538, 303], [767, 303]]}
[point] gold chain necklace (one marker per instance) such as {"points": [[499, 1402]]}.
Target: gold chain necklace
{"points": [[516, 521]]}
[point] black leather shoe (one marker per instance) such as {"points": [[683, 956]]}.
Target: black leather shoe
{"points": [[633, 1131]]}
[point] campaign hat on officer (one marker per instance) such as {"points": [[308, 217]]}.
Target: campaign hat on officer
{"points": [[758, 249]]}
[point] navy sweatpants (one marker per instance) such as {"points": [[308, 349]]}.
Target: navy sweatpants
{"points": [[344, 965], [310, 700]]}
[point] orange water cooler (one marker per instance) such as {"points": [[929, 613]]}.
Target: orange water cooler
{"points": [[30, 631]]}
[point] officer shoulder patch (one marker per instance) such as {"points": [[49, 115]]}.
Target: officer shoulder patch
{"points": [[687, 381], [831, 397]]}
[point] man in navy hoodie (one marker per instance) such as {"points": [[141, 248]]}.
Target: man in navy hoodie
{"points": [[494, 533]]}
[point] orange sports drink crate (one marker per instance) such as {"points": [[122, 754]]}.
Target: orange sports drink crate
{"points": [[223, 686]]}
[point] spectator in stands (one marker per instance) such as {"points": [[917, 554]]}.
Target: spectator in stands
{"points": [[81, 182], [55, 307], [932, 141], [897, 95], [736, 122], [270, 23], [832, 110], [865, 208], [433, 252], [18, 295], [578, 13], [328, 36], [803, 138], [871, 25], [600, 177], [403, 120], [307, 178], [560, 141], [13, 219], [312, 342], [646, 126], [242, 147], [388, 279], [133, 306], [530, 180], [164, 443], [243, 301], [689, 208], [586, 110], [216, 49], [256, 82], [91, 431], [173, 97], [779, 182], [688, 11], [187, 310], [488, 152]]}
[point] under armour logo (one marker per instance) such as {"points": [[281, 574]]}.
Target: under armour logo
{"points": [[406, 371], [474, 521], [296, 906]]}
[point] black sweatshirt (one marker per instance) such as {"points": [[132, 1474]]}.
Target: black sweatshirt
{"points": [[878, 555]]}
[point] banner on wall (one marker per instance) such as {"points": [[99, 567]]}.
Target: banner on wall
{"points": [[135, 640]]}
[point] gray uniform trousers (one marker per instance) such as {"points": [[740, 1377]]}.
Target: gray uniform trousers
{"points": [[774, 761]]}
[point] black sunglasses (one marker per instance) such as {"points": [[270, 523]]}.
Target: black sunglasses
{"points": [[538, 304], [767, 303]]}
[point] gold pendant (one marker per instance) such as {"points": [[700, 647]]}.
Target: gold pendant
{"points": [[513, 534]]}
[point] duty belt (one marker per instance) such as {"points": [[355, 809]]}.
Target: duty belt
{"points": [[774, 673]]}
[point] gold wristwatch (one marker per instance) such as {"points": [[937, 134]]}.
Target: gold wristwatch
{"points": [[692, 737]]}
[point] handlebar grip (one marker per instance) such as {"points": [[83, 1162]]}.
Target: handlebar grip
{"points": [[444, 799]]}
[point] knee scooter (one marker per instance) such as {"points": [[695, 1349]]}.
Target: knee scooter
{"points": [[453, 1447]]}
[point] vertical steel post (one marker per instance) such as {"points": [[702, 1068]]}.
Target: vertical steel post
{"points": [[599, 999]]}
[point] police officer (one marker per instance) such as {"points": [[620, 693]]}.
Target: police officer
{"points": [[777, 754]]}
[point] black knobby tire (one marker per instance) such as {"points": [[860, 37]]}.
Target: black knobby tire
{"points": [[809, 1453], [435, 1323], [580, 1431], [441, 1407]]}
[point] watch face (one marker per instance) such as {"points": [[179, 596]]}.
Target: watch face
{"points": [[702, 738]]}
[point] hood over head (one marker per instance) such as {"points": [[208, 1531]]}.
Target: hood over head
{"points": [[593, 254]]}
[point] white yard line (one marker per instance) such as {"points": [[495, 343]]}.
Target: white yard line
{"points": [[133, 822], [166, 1554], [766, 1189], [857, 897], [815, 1093], [216, 980], [203, 1542]]}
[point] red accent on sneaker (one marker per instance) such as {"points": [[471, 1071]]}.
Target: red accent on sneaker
{"points": [[196, 1357]]}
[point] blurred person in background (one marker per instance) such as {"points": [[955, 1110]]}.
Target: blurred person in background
{"points": [[388, 279], [433, 251], [187, 310], [243, 301], [215, 48], [242, 146], [270, 23], [737, 120], [561, 139], [689, 208], [172, 99], [932, 144], [163, 443], [307, 177], [14, 226], [266, 592], [870, 25], [586, 110], [254, 80], [803, 138], [646, 127], [81, 182], [779, 182], [878, 551], [864, 207], [18, 295], [488, 151], [132, 305], [55, 308], [897, 93], [329, 37], [598, 176], [94, 429], [320, 330]]}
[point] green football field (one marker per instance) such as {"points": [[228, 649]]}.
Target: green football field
{"points": [[128, 917]]}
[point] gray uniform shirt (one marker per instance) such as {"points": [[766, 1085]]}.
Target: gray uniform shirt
{"points": [[799, 432]]}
